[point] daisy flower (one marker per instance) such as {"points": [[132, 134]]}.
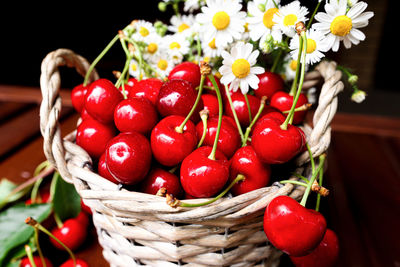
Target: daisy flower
{"points": [[340, 24], [238, 68], [182, 24], [289, 67], [143, 29], [210, 50], [260, 21], [153, 46], [358, 96], [191, 5], [315, 46], [222, 20], [135, 70], [176, 44], [162, 65], [287, 17]]}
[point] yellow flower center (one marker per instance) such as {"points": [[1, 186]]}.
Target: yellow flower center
{"points": [[221, 20], [290, 20], [174, 45], [293, 65], [143, 31], [241, 68], [212, 44], [162, 64], [311, 46], [267, 18], [152, 48], [341, 25], [183, 27], [134, 67], [207, 59]]}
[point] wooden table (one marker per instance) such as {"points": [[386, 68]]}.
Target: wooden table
{"points": [[363, 175]]}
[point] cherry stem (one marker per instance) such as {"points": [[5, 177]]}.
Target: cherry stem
{"points": [[298, 175], [32, 222], [235, 117], [98, 58], [58, 220], [311, 157], [179, 129], [204, 117], [36, 185], [312, 179], [248, 106], [28, 251], [293, 182], [36, 237], [289, 117], [321, 174], [239, 177], [248, 129], [220, 113], [304, 107]]}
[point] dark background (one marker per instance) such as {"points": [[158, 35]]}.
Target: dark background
{"points": [[30, 31]]}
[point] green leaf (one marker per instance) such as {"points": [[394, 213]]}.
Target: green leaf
{"points": [[6, 187], [66, 201], [13, 230], [16, 254]]}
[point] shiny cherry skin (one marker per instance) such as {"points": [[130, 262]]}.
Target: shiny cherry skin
{"points": [[210, 103], [135, 114], [246, 162], [270, 83], [147, 88], [325, 254], [85, 115], [101, 99], [128, 87], [83, 218], [78, 94], [159, 178], [292, 228], [187, 71], [44, 198], [241, 109], [103, 171], [229, 139], [284, 101], [93, 136], [170, 147], [25, 262], [274, 145], [204, 177], [128, 157], [79, 263], [72, 234], [177, 97]]}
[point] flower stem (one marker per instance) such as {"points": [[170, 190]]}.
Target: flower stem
{"points": [[313, 15], [235, 117], [239, 177], [32, 222], [220, 113], [98, 58], [248, 129], [179, 129]]}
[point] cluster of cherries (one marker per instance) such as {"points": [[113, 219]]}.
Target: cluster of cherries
{"points": [[191, 137], [69, 235]]}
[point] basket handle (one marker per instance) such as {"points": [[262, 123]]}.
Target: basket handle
{"points": [[50, 84]]}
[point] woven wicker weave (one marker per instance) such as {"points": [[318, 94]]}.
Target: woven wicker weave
{"points": [[137, 229]]}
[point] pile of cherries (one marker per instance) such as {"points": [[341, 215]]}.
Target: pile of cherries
{"points": [[153, 134]]}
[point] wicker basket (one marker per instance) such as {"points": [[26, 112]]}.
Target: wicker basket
{"points": [[137, 229]]}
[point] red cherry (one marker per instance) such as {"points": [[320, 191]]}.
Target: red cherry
{"points": [[325, 254], [284, 101], [241, 109], [210, 103], [270, 83], [147, 88], [202, 176], [229, 139], [159, 178], [93, 136], [83, 218], [177, 97], [103, 171], [170, 147], [208, 84], [246, 162], [72, 234], [44, 198], [274, 145], [79, 263], [86, 208], [101, 99], [128, 157], [78, 97], [187, 71], [292, 228], [135, 114], [25, 262], [85, 115]]}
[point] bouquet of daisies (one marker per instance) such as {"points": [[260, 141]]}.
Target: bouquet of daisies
{"points": [[242, 39]]}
